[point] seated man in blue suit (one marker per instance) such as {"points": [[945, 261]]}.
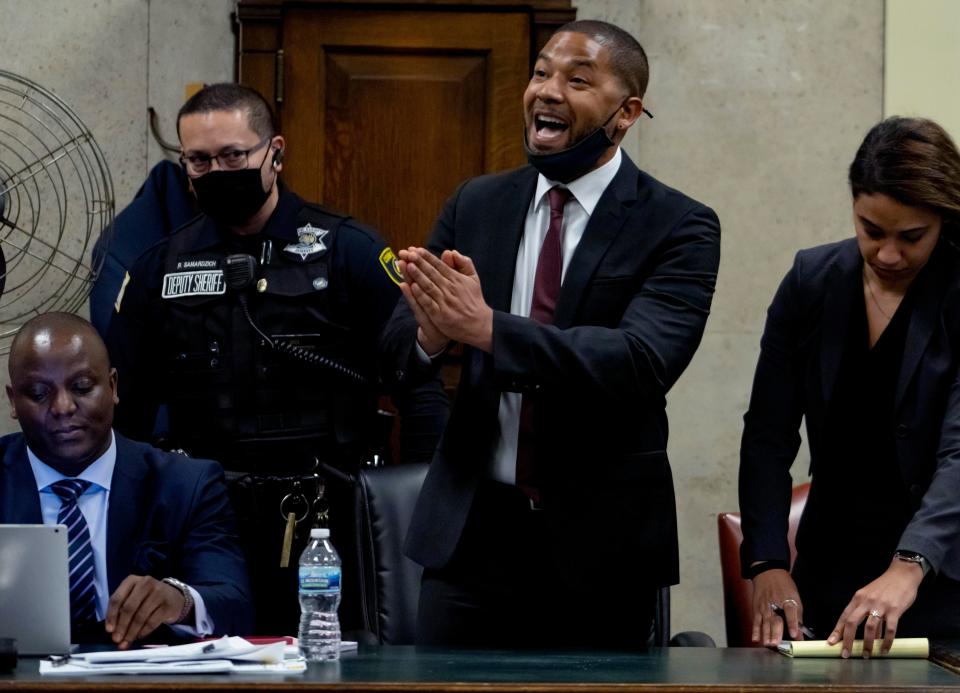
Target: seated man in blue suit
{"points": [[150, 533]]}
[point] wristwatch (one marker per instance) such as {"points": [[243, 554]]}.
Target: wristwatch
{"points": [[913, 557], [187, 597]]}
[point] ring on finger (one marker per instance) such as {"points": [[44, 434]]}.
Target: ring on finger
{"points": [[790, 601], [774, 606], [875, 613]]}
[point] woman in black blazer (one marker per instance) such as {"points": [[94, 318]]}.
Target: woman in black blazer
{"points": [[863, 339]]}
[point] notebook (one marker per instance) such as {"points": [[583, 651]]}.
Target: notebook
{"points": [[34, 591]]}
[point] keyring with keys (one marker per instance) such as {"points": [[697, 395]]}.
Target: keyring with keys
{"points": [[291, 507], [295, 502], [321, 506]]}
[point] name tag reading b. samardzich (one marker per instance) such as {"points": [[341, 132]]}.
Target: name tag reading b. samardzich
{"points": [[204, 283]]}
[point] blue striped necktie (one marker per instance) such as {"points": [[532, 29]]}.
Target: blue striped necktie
{"points": [[83, 593]]}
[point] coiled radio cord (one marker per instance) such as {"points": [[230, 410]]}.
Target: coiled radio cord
{"points": [[300, 353]]}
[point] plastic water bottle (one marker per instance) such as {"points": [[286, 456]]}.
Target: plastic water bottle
{"points": [[319, 635]]}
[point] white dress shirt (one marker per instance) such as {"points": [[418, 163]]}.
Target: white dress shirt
{"points": [[94, 504], [585, 193]]}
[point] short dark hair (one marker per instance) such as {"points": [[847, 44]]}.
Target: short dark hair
{"points": [[60, 321], [914, 161], [627, 57], [227, 96]]}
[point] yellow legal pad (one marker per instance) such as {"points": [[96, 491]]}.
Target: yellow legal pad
{"points": [[915, 648]]}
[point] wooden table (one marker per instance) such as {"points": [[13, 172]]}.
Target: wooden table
{"points": [[680, 670]]}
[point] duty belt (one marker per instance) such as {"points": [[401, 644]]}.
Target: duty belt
{"points": [[284, 457]]}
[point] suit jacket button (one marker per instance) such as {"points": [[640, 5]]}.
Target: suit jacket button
{"points": [[903, 431]]}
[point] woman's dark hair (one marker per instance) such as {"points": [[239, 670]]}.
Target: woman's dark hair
{"points": [[914, 161]]}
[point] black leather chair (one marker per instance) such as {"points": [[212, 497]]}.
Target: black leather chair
{"points": [[389, 581]]}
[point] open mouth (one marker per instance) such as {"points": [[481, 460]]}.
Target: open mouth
{"points": [[548, 132], [549, 126]]}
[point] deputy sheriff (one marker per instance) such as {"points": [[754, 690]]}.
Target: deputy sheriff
{"points": [[258, 326]]}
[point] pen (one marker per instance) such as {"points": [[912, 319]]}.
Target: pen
{"points": [[58, 660], [807, 633]]}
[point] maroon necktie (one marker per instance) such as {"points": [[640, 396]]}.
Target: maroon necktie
{"points": [[546, 289]]}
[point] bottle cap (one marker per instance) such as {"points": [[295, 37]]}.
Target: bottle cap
{"points": [[319, 533]]}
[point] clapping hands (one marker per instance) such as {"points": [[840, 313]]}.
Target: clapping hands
{"points": [[446, 299]]}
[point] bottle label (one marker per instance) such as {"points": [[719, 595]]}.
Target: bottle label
{"points": [[320, 579]]}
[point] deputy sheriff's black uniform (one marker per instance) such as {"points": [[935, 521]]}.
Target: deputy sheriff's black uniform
{"points": [[254, 396]]}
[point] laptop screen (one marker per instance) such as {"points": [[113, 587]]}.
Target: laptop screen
{"points": [[34, 591]]}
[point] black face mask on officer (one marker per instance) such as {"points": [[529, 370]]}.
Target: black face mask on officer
{"points": [[231, 197], [576, 160]]}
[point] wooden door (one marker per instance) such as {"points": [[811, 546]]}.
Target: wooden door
{"points": [[385, 118], [387, 107]]}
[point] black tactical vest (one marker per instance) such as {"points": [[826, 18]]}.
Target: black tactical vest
{"points": [[234, 398]]}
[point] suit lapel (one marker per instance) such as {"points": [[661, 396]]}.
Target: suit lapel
{"points": [[497, 262], [503, 240], [126, 514], [19, 500], [924, 317], [603, 227], [838, 304]]}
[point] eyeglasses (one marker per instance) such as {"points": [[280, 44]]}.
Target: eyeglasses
{"points": [[230, 160]]}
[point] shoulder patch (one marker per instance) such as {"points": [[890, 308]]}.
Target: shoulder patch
{"points": [[123, 288], [391, 265]]}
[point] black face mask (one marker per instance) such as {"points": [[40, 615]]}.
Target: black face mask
{"points": [[231, 197], [574, 161]]}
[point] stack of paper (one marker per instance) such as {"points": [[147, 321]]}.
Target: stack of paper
{"points": [[228, 654], [918, 648]]}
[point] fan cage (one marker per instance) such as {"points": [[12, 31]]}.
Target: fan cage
{"points": [[56, 201]]}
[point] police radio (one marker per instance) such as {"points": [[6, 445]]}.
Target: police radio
{"points": [[238, 272]]}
